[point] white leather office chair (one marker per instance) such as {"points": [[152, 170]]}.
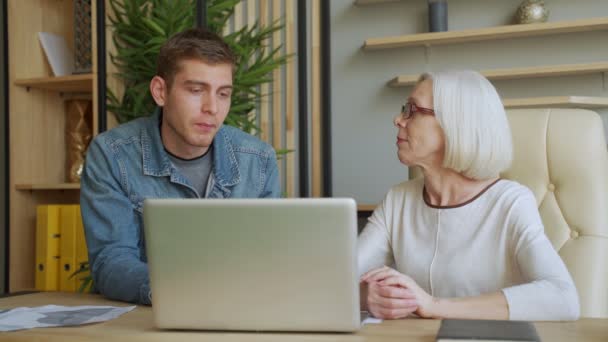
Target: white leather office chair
{"points": [[560, 154]]}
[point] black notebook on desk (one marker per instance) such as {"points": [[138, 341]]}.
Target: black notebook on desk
{"points": [[484, 330]]}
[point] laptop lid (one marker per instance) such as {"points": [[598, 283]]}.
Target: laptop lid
{"points": [[253, 264]]}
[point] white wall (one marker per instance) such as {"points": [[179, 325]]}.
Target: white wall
{"points": [[363, 138]]}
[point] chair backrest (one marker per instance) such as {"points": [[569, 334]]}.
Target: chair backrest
{"points": [[561, 155]]}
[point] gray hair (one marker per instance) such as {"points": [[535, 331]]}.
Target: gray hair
{"points": [[478, 141]]}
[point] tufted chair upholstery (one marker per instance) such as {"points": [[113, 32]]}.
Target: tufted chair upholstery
{"points": [[560, 154]]}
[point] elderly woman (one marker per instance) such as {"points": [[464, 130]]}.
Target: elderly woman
{"points": [[462, 242]]}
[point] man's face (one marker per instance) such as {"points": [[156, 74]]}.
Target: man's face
{"points": [[195, 106]]}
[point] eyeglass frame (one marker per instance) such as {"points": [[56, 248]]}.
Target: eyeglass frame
{"points": [[413, 108]]}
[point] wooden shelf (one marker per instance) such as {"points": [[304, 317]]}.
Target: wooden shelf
{"points": [[366, 207], [50, 186], [588, 102], [490, 33], [517, 73], [66, 84], [372, 2]]}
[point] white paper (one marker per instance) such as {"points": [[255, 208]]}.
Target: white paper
{"points": [[366, 318], [57, 53], [57, 316]]}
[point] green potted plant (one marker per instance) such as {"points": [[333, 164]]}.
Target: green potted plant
{"points": [[85, 278], [142, 26]]}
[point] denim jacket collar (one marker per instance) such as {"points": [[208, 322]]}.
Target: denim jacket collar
{"points": [[156, 162]]}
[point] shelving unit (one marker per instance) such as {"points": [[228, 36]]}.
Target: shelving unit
{"points": [[366, 207], [37, 124], [588, 102], [490, 33], [54, 186], [65, 84], [517, 73], [506, 32], [372, 2], [571, 29]]}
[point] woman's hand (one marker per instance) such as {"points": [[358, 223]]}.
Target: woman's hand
{"points": [[390, 302], [393, 295]]}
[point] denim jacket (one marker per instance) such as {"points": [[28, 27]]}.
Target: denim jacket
{"points": [[128, 164]]}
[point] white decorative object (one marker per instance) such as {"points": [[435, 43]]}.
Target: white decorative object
{"points": [[531, 11], [57, 53]]}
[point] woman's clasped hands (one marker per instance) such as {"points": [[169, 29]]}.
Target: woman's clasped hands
{"points": [[393, 295]]}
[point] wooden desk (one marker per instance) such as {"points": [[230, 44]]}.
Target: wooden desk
{"points": [[137, 325]]}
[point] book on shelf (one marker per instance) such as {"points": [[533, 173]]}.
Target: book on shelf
{"points": [[57, 53]]}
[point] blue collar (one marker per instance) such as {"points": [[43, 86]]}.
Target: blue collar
{"points": [[156, 161]]}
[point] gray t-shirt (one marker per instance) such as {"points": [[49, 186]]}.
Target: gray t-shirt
{"points": [[196, 170]]}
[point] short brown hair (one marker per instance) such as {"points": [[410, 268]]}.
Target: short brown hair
{"points": [[196, 43]]}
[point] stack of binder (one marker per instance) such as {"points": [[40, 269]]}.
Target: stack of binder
{"points": [[61, 249]]}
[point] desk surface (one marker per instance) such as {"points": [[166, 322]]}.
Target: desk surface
{"points": [[138, 325]]}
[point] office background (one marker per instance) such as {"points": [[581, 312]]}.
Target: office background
{"points": [[37, 107], [364, 163], [361, 137]]}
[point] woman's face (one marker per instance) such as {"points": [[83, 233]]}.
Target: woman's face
{"points": [[420, 139]]}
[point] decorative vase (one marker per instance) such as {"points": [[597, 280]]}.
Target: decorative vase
{"points": [[77, 136], [531, 11], [82, 37], [438, 15]]}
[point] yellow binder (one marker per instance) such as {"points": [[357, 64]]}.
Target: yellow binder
{"points": [[47, 247], [67, 251], [82, 254]]}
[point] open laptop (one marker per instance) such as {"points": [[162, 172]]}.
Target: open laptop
{"points": [[253, 264]]}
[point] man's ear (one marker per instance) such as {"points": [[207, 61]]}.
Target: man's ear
{"points": [[158, 89]]}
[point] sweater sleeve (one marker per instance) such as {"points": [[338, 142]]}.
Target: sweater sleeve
{"points": [[373, 246], [548, 292]]}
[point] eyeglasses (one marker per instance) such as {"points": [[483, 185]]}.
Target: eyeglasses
{"points": [[409, 108]]}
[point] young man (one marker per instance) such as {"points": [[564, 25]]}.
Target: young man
{"points": [[181, 151]]}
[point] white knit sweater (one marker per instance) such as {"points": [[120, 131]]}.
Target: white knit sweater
{"points": [[494, 242]]}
